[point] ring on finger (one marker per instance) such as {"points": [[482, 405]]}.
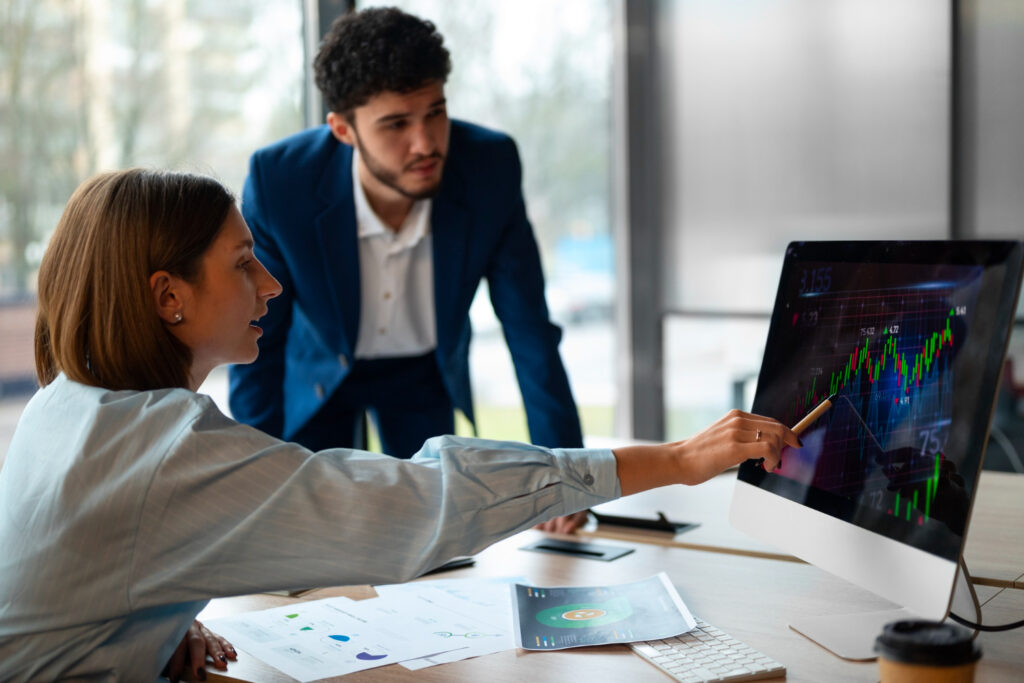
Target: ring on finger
{"points": [[757, 435]]}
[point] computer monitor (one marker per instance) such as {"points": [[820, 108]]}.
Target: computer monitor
{"points": [[910, 338]]}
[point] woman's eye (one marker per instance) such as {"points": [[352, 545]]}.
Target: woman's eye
{"points": [[244, 265]]}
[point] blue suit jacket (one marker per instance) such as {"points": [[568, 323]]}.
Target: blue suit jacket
{"points": [[298, 203]]}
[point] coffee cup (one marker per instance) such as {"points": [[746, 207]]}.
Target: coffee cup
{"points": [[918, 651]]}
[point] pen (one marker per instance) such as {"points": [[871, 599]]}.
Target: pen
{"points": [[809, 419]]}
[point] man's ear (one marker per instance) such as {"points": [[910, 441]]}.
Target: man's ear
{"points": [[167, 297], [341, 128]]}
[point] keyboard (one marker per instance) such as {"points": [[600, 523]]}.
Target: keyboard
{"points": [[708, 655]]}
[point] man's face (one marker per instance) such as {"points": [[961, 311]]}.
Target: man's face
{"points": [[402, 140]]}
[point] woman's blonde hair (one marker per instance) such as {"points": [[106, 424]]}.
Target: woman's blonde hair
{"points": [[97, 320]]}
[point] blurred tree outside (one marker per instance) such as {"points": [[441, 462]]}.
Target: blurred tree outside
{"points": [[94, 85], [109, 84]]}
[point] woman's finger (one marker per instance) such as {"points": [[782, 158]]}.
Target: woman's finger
{"points": [[770, 452], [227, 647], [197, 650], [758, 426], [215, 648]]}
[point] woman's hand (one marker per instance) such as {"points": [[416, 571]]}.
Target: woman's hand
{"points": [[193, 650], [735, 438]]}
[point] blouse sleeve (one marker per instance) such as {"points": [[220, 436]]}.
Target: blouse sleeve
{"points": [[231, 510]]}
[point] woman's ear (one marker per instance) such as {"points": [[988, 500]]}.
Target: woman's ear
{"points": [[167, 297]]}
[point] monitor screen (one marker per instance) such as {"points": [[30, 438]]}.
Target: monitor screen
{"points": [[908, 339], [904, 342]]}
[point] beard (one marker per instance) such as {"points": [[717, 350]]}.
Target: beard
{"points": [[391, 179]]}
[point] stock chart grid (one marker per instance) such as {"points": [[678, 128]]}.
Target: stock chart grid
{"points": [[886, 354]]}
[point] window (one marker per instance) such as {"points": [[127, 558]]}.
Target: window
{"points": [[542, 72], [107, 84]]}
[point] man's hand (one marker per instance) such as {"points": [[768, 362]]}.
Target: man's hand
{"points": [[564, 525], [193, 650]]}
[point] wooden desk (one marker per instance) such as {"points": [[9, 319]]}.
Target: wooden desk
{"points": [[751, 598], [995, 540]]}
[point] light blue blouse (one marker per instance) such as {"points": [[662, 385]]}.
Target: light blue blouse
{"points": [[123, 512]]}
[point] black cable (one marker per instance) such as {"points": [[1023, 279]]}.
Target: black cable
{"points": [[983, 627]]}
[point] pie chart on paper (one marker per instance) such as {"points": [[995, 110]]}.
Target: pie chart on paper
{"points": [[366, 656]]}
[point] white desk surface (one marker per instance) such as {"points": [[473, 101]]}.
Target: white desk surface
{"points": [[751, 598]]}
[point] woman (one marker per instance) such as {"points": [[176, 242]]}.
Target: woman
{"points": [[129, 500]]}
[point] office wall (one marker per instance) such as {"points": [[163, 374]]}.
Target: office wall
{"points": [[993, 151], [992, 196], [785, 120], [797, 120]]}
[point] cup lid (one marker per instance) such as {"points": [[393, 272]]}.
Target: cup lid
{"points": [[916, 641]]}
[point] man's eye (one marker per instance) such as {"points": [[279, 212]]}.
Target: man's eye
{"points": [[397, 125], [244, 265]]}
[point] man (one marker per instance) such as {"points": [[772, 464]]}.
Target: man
{"points": [[380, 226]]}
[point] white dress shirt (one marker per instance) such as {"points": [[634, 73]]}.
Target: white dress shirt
{"points": [[123, 512], [396, 275]]}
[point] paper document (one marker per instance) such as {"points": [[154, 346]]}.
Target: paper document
{"points": [[473, 616], [564, 617], [322, 638], [418, 624]]}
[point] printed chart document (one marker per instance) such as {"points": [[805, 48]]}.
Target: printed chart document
{"points": [[469, 617], [417, 624], [564, 617], [321, 638]]}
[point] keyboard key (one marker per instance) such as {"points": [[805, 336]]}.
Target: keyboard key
{"points": [[708, 655]]}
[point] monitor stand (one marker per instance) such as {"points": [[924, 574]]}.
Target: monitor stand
{"points": [[852, 636]]}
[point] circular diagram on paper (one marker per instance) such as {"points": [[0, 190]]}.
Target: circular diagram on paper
{"points": [[585, 615]]}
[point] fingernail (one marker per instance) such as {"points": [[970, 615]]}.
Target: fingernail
{"points": [[223, 658], [201, 673]]}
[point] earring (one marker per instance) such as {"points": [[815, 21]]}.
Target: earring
{"points": [[177, 317]]}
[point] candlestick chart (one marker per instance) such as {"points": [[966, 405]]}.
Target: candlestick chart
{"points": [[906, 341], [887, 356]]}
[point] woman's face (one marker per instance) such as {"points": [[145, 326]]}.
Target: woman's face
{"points": [[220, 309]]}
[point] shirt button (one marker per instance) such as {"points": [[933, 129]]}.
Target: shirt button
{"points": [[387, 295], [342, 361], [589, 479], [318, 389], [382, 330]]}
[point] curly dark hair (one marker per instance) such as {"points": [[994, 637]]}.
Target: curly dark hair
{"points": [[377, 50]]}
